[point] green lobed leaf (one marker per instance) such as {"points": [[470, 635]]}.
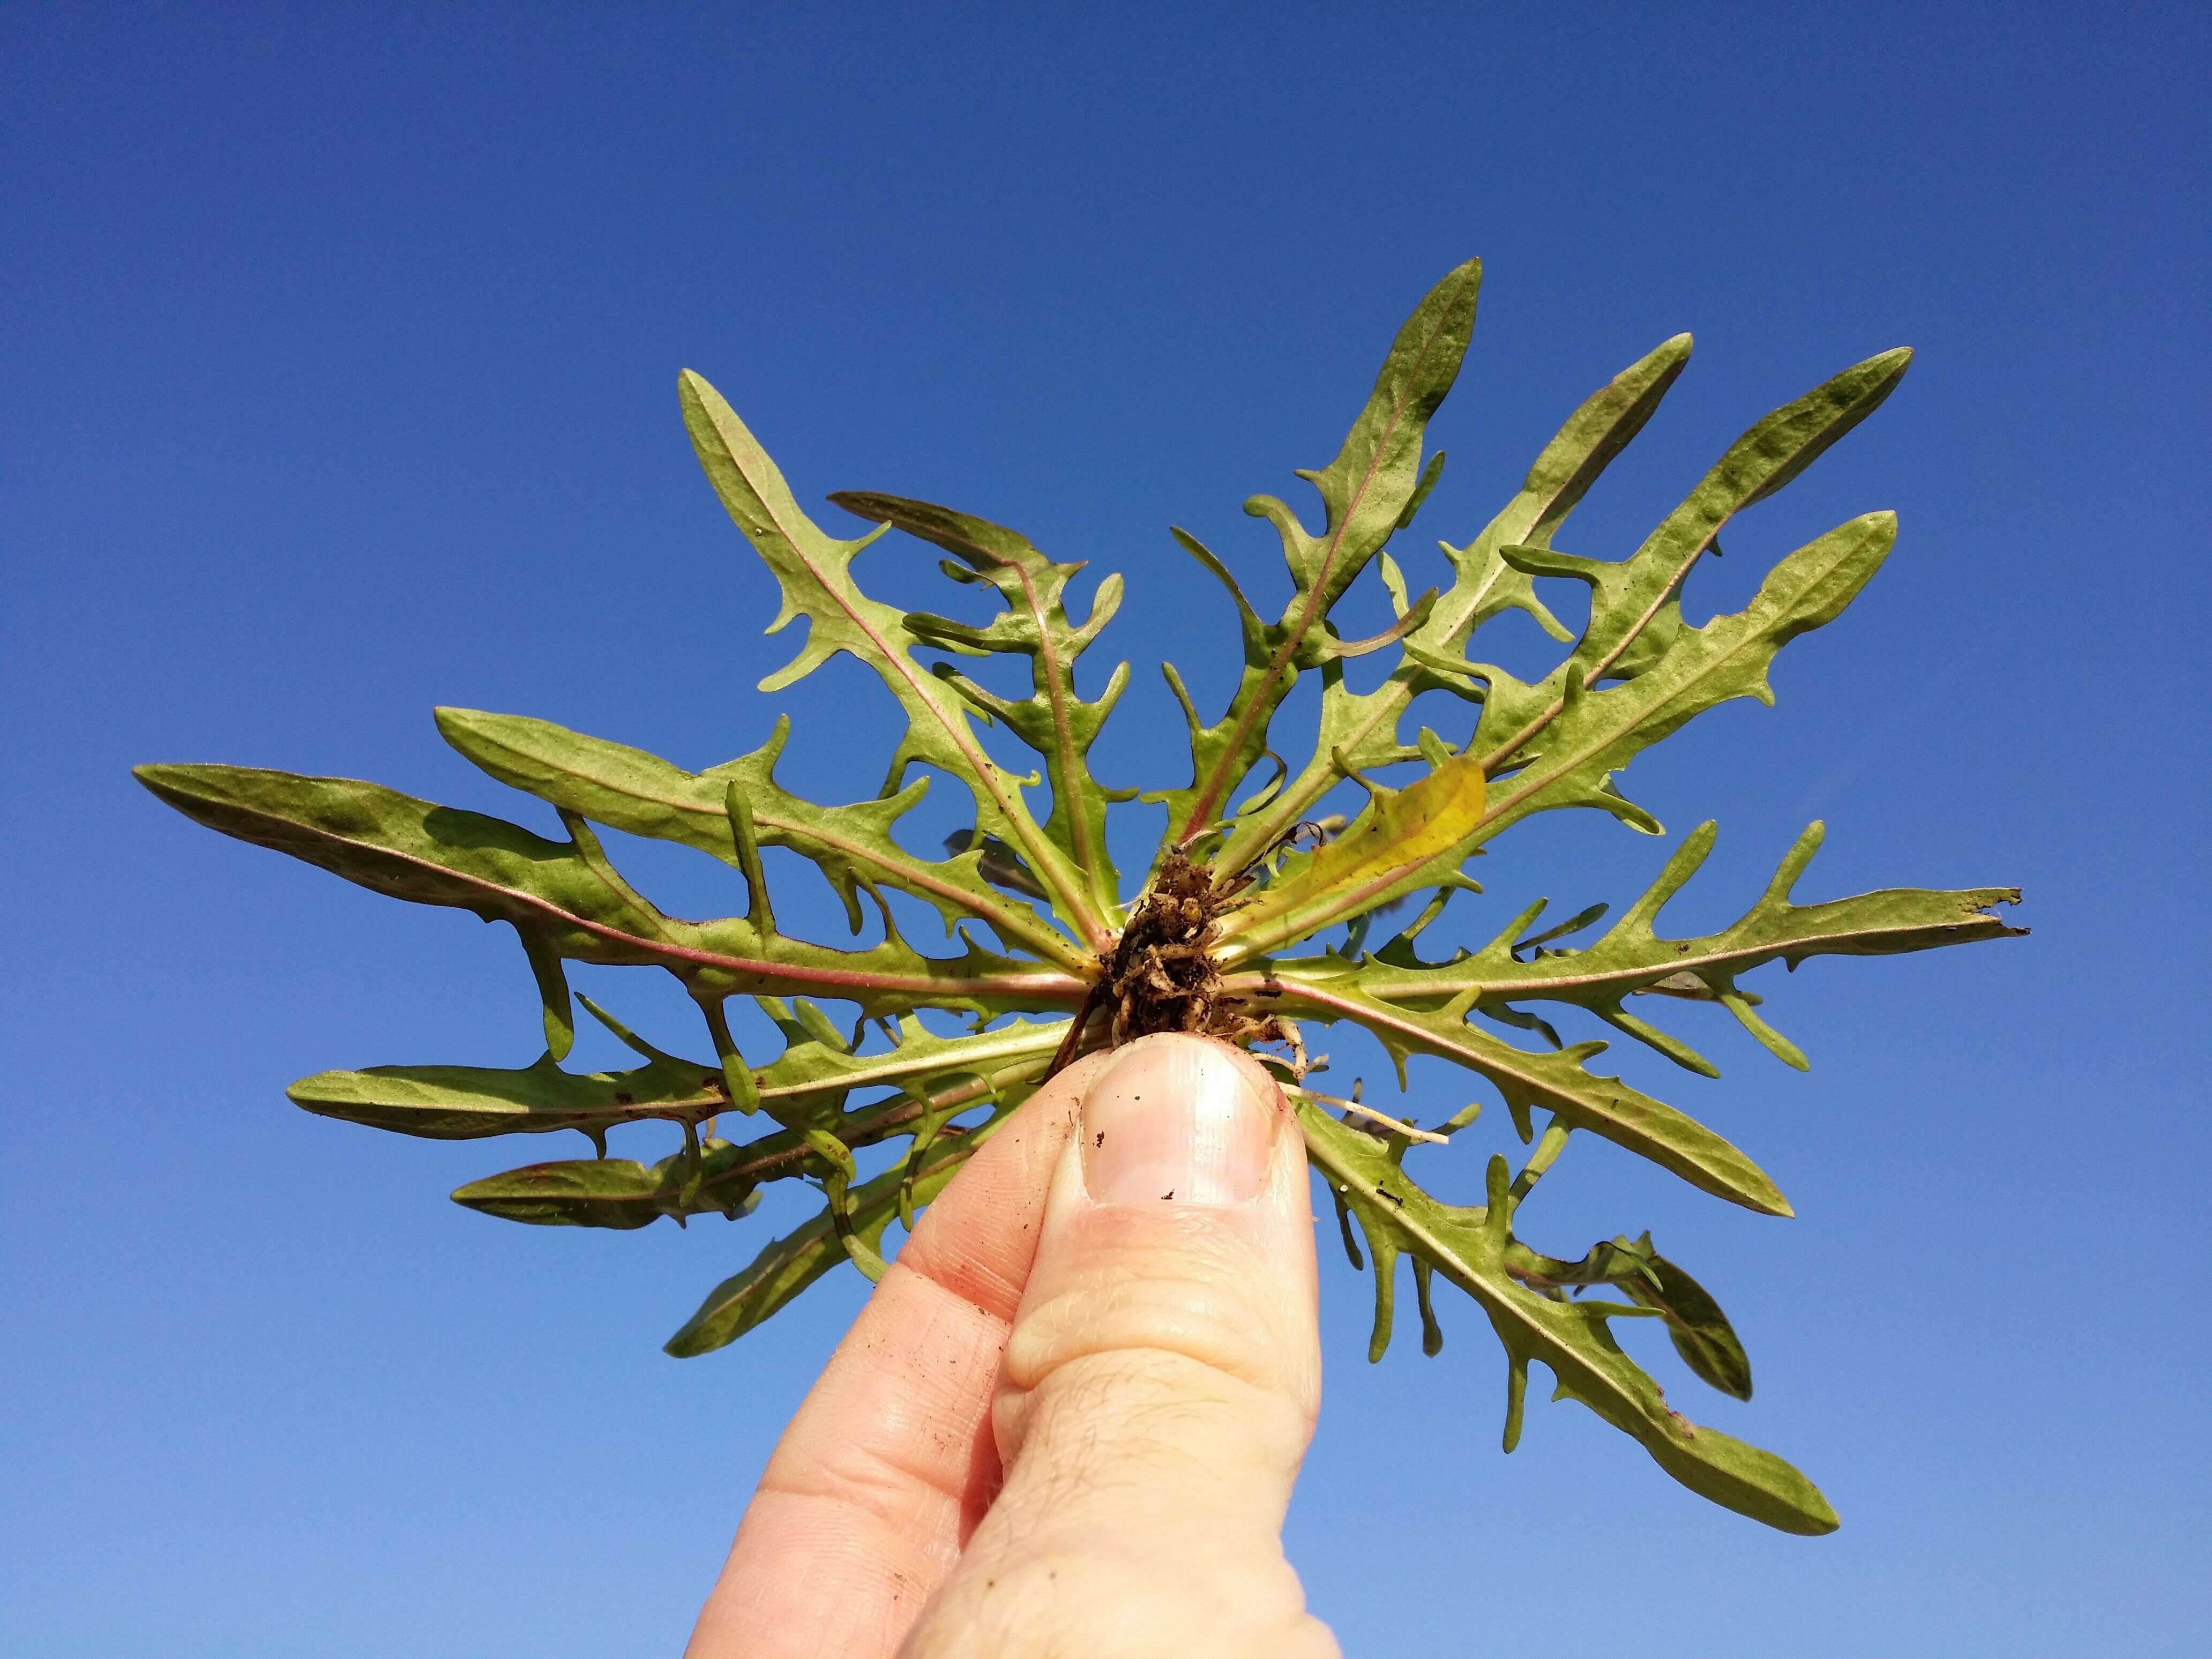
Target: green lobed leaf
{"points": [[638, 793], [815, 572], [808, 1083], [1627, 596], [1700, 1332], [613, 1193], [1469, 1246], [1055, 720], [1562, 750], [778, 1274], [565, 898], [467, 1102], [1632, 959], [1556, 1082], [1634, 594], [805, 1090], [1364, 491]]}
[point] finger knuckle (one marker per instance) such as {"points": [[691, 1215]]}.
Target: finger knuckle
{"points": [[1201, 1297]]}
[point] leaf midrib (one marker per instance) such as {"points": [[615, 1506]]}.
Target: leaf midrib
{"points": [[1057, 987], [1725, 955]]}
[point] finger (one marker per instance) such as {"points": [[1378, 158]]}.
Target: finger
{"points": [[882, 1475], [1160, 1384]]}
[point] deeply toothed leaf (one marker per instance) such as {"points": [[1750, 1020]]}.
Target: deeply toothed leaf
{"points": [[612, 1192], [1555, 1081], [630, 790], [564, 896], [815, 570], [1055, 720], [1470, 1246], [466, 1102], [1563, 741], [1631, 958], [1700, 1332], [808, 1082], [1363, 492], [788, 1267]]}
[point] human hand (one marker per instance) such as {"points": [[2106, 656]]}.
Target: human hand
{"points": [[1068, 1419]]}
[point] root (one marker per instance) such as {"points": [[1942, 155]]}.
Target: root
{"points": [[1160, 975]]}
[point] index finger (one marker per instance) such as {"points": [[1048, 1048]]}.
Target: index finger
{"points": [[890, 1463]]}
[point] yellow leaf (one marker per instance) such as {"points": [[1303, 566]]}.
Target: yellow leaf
{"points": [[1389, 842]]}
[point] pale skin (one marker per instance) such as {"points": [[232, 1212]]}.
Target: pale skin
{"points": [[1068, 1419]]}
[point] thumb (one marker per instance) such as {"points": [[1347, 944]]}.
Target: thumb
{"points": [[1160, 1381]]}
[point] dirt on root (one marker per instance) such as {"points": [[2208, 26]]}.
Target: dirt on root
{"points": [[1160, 975]]}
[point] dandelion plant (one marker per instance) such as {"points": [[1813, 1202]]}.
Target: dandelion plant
{"points": [[1051, 953]]}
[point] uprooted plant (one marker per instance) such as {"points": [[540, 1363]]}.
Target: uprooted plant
{"points": [[1207, 942]]}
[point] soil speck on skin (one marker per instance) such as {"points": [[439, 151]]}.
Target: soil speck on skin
{"points": [[1100, 1141], [1167, 1194]]}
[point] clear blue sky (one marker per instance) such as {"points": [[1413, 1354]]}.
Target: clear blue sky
{"points": [[340, 347]]}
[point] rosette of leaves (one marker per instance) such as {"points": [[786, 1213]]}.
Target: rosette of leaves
{"points": [[1037, 912]]}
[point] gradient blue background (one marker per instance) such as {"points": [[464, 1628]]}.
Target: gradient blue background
{"points": [[340, 347]]}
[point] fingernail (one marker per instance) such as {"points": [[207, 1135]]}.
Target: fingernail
{"points": [[1175, 1119]]}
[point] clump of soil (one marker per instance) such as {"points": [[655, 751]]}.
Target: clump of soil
{"points": [[1160, 975]]}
